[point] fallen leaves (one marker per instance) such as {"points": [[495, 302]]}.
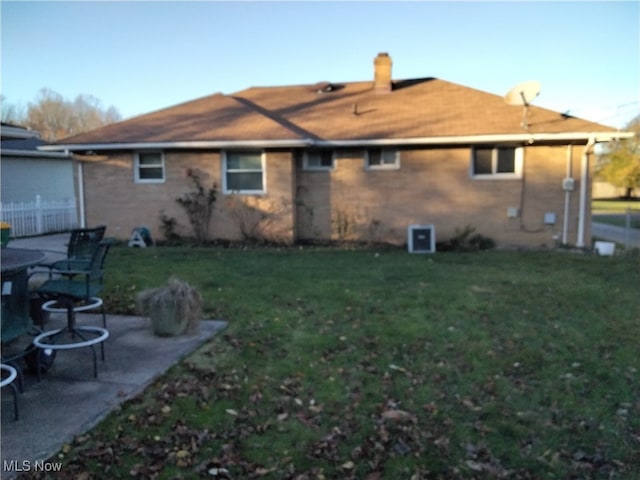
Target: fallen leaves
{"points": [[341, 410], [398, 416]]}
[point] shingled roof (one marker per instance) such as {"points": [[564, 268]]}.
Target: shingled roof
{"points": [[410, 111]]}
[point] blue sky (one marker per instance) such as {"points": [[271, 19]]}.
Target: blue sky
{"points": [[142, 56]]}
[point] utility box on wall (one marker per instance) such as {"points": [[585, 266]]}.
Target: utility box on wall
{"points": [[421, 238]]}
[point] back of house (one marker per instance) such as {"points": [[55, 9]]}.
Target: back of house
{"points": [[349, 161]]}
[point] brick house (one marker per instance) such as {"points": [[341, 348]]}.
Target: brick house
{"points": [[353, 161]]}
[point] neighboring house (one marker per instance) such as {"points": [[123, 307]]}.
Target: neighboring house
{"points": [[27, 171], [31, 177], [352, 161]]}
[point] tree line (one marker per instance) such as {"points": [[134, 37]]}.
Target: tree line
{"points": [[620, 165], [55, 117]]}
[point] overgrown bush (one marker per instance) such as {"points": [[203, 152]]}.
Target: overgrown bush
{"points": [[464, 240], [173, 309], [168, 228], [343, 222], [199, 205], [258, 219]]}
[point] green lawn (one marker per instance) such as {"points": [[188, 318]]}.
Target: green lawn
{"points": [[379, 364], [614, 206], [614, 212]]}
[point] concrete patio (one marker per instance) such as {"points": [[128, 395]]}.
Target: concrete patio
{"points": [[69, 400]]}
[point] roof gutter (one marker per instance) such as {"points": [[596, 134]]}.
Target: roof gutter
{"points": [[64, 154], [197, 145], [310, 142], [478, 139], [14, 131]]}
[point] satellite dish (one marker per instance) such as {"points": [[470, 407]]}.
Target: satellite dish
{"points": [[523, 93]]}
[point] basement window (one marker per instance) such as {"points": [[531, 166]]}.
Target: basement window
{"points": [[496, 162], [318, 160], [243, 172], [382, 159], [149, 167]]}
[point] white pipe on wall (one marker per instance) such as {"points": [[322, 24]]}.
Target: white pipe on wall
{"points": [[567, 197], [81, 195], [584, 181]]}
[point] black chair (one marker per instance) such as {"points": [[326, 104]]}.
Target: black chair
{"points": [[75, 286], [8, 381], [71, 291], [82, 245]]}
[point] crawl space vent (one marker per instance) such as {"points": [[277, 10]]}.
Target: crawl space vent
{"points": [[422, 238]]}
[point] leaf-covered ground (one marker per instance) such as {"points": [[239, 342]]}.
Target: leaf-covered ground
{"points": [[382, 365]]}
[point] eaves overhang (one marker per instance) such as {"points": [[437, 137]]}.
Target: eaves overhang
{"points": [[525, 138], [35, 154], [529, 138], [195, 145], [14, 131]]}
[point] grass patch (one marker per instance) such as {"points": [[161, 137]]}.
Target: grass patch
{"points": [[363, 364], [614, 205], [620, 213]]}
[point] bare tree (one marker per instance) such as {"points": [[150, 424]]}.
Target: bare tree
{"points": [[11, 113], [89, 114], [50, 115], [56, 118]]}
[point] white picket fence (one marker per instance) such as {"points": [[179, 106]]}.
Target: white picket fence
{"points": [[40, 216]]}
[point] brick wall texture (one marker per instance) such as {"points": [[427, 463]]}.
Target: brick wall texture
{"points": [[432, 186]]}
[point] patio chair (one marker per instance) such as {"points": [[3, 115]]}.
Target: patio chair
{"points": [[8, 381], [83, 242], [72, 291], [75, 287]]}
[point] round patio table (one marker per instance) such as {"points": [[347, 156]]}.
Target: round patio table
{"points": [[13, 260], [16, 318]]}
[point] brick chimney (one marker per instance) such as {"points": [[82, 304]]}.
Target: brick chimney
{"points": [[382, 73]]}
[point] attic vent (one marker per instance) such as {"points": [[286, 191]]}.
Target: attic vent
{"points": [[324, 87]]}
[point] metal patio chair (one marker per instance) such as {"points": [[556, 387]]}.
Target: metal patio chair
{"points": [[75, 290], [82, 245]]}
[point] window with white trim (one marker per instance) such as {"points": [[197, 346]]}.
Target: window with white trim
{"points": [[382, 159], [149, 167], [496, 162], [318, 160], [244, 172]]}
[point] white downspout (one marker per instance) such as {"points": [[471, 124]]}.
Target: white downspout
{"points": [[567, 197], [584, 180], [81, 194]]}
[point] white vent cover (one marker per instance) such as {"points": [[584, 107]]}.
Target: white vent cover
{"points": [[422, 238]]}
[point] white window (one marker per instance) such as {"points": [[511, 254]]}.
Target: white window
{"points": [[149, 167], [382, 159], [318, 160], [244, 172], [496, 162]]}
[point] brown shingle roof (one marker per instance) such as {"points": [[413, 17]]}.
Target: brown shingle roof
{"points": [[214, 118], [420, 108]]}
